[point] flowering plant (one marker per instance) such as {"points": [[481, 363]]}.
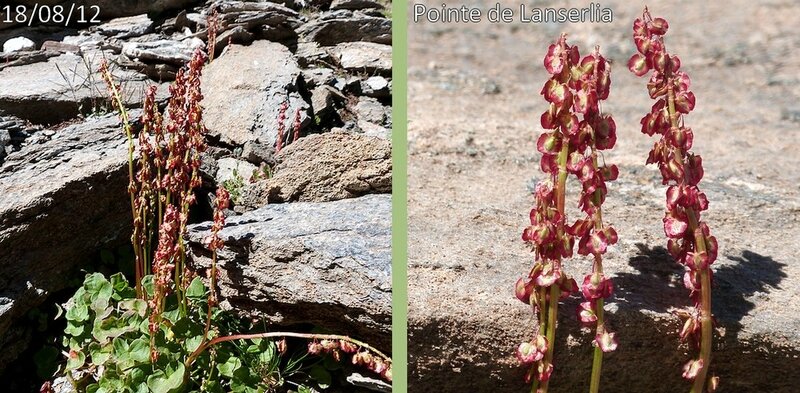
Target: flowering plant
{"points": [[690, 241], [576, 133], [150, 336]]}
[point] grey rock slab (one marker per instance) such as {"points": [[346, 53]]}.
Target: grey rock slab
{"points": [[365, 57], [328, 264], [329, 32], [244, 89], [60, 201], [354, 4], [326, 167], [370, 110], [163, 51], [309, 53], [323, 99], [51, 91], [249, 15], [17, 44], [131, 26], [318, 77]]}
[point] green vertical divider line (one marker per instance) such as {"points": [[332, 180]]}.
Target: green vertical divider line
{"points": [[399, 199]]}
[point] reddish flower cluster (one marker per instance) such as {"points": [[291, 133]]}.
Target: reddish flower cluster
{"points": [[576, 132], [335, 348], [221, 203], [296, 126], [690, 240], [281, 125]]}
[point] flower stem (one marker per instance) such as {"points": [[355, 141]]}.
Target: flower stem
{"points": [[552, 306], [706, 328]]}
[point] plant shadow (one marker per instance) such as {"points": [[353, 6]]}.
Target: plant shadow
{"points": [[657, 284]]}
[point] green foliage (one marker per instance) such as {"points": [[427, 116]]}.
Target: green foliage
{"points": [[108, 341], [234, 185]]}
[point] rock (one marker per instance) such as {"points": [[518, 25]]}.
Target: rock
{"points": [[327, 264], [318, 76], [233, 169], [256, 152], [161, 51], [249, 15], [365, 57], [354, 4], [328, 32], [323, 99], [377, 87], [309, 53], [373, 384], [370, 110], [326, 167], [374, 130], [349, 85], [131, 26], [40, 93], [176, 24], [5, 140], [60, 201], [85, 40], [56, 46], [235, 35], [14, 59], [243, 106], [18, 44]]}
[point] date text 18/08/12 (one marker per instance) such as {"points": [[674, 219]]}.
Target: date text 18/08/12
{"points": [[50, 14]]}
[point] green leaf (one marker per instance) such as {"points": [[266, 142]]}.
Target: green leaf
{"points": [[74, 329], [321, 376], [161, 382], [46, 361], [100, 355], [147, 284], [78, 313], [196, 290], [192, 343], [138, 306], [229, 367], [75, 360], [99, 290], [139, 350]]}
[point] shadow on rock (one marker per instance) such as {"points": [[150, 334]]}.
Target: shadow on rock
{"points": [[736, 284]]}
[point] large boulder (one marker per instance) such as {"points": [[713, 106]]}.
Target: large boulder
{"points": [[328, 31], [366, 57], [328, 264], [60, 201], [244, 89], [326, 167]]}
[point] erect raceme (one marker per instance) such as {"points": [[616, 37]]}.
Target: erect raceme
{"points": [[690, 241], [576, 132]]}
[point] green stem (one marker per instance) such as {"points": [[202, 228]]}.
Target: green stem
{"points": [[551, 330]]}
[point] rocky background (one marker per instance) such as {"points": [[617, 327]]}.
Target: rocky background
{"points": [[309, 245], [473, 112]]}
